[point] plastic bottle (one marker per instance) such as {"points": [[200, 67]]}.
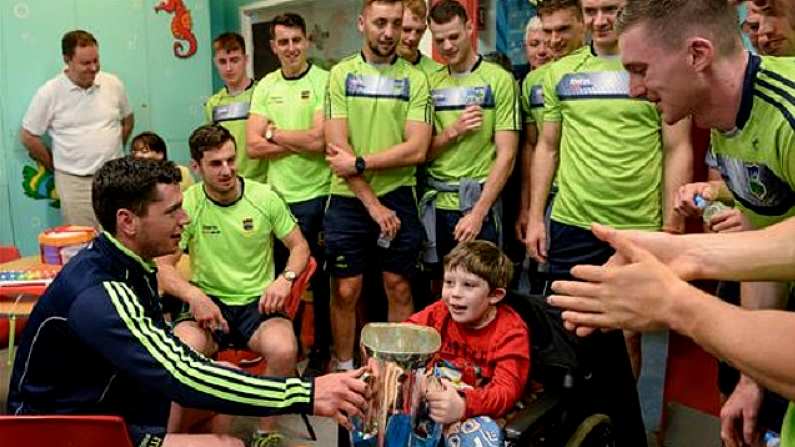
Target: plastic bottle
{"points": [[709, 208], [771, 439], [384, 241]]}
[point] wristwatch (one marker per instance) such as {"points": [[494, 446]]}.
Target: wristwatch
{"points": [[269, 134], [360, 165], [289, 275]]}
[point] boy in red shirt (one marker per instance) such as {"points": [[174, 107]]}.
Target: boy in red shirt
{"points": [[484, 360]]}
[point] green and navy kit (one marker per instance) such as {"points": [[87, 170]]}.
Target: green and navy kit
{"points": [[757, 158], [426, 64], [533, 97], [377, 101], [291, 104], [96, 343], [231, 245], [231, 111], [473, 154], [611, 160]]}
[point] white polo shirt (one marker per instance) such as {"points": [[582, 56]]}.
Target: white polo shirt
{"points": [[84, 124]]}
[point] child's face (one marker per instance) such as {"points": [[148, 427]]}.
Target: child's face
{"points": [[468, 297], [142, 151]]}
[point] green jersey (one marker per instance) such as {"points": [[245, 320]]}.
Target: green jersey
{"points": [[231, 245], [377, 101], [533, 97], [610, 168], [471, 156], [291, 104], [755, 159], [232, 112], [426, 64]]}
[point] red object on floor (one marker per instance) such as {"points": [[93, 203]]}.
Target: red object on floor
{"points": [[64, 431]]}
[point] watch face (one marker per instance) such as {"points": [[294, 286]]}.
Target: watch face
{"points": [[289, 275]]}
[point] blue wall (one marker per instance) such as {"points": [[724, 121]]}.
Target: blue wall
{"points": [[166, 93]]}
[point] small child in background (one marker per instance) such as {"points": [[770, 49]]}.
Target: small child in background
{"points": [[149, 145], [483, 364]]}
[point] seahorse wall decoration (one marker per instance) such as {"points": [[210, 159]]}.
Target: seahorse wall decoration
{"points": [[39, 184], [181, 26]]}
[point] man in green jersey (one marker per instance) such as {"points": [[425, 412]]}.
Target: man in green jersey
{"points": [[234, 297], [229, 107], [285, 127], [619, 164], [563, 30], [476, 121], [377, 128], [701, 69], [414, 27]]}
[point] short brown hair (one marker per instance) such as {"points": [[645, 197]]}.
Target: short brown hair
{"points": [[229, 42], [207, 138], [545, 7], [417, 7], [290, 20], [445, 11], [672, 21], [366, 3], [77, 38], [484, 260]]}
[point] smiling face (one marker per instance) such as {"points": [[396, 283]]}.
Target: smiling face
{"points": [[82, 67], [381, 24], [600, 17], [469, 298], [290, 46], [662, 75], [536, 48], [217, 169], [452, 40], [159, 228], [565, 31], [413, 29]]}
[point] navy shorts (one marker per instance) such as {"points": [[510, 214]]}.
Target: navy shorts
{"points": [[243, 321], [446, 220], [570, 246], [352, 235], [146, 435]]}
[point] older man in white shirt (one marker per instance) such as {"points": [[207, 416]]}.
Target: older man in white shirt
{"points": [[87, 115]]}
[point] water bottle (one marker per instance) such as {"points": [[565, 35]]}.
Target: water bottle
{"points": [[771, 439], [384, 241], [709, 208]]}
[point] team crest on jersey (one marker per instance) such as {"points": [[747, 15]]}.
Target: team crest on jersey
{"points": [[755, 183], [305, 94], [248, 224], [210, 229]]}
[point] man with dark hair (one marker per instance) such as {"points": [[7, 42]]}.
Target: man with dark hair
{"points": [[87, 115], [285, 127], [414, 27], [229, 106], [477, 120], [377, 128], [234, 296], [151, 145], [97, 343], [563, 22]]}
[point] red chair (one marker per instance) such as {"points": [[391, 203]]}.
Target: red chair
{"points": [[252, 362], [8, 253], [64, 431]]}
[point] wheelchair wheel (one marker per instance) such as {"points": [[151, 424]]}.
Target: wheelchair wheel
{"points": [[595, 431]]}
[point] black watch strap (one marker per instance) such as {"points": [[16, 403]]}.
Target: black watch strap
{"points": [[360, 165]]}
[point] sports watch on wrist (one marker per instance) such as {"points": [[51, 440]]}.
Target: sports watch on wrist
{"points": [[269, 134], [289, 275], [360, 165]]}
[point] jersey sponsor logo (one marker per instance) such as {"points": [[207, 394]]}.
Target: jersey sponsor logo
{"points": [[537, 96], [231, 112], [210, 229], [275, 99], [248, 224], [756, 186], [458, 98], [594, 85], [374, 86]]}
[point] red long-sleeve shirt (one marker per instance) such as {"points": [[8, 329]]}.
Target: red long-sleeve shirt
{"points": [[494, 360]]}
